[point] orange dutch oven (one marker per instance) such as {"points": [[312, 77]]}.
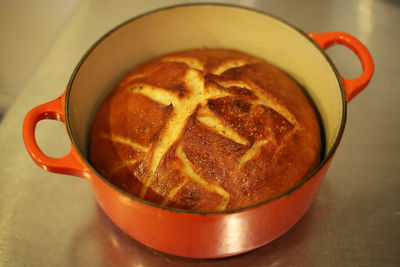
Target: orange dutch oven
{"points": [[186, 233]]}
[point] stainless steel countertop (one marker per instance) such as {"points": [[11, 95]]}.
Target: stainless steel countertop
{"points": [[53, 220]]}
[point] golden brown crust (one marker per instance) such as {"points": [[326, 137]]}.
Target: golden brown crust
{"points": [[206, 129]]}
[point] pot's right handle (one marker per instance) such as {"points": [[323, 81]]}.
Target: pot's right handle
{"points": [[351, 86], [71, 163]]}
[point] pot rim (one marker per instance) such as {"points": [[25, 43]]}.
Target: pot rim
{"points": [[328, 154]]}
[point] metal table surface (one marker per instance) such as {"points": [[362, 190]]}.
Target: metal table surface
{"points": [[53, 220]]}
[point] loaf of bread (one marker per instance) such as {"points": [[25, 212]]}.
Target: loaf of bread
{"points": [[206, 129]]}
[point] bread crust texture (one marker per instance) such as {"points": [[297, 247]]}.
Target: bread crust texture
{"points": [[206, 129]]}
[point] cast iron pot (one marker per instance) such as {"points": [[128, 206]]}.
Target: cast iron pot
{"points": [[181, 232]]}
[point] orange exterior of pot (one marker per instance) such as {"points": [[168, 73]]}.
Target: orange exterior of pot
{"points": [[209, 235]]}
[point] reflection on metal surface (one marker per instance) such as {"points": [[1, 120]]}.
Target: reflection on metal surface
{"points": [[249, 3], [365, 20]]}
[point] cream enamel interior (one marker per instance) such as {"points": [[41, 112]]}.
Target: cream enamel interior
{"points": [[188, 27]]}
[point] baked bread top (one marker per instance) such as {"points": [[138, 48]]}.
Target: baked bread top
{"points": [[206, 129]]}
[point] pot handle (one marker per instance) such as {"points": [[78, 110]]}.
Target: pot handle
{"points": [[70, 164], [351, 86]]}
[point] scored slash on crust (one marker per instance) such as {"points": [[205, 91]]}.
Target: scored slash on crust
{"points": [[207, 117], [182, 110], [184, 107], [190, 172], [126, 141]]}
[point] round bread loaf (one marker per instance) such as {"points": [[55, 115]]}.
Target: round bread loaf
{"points": [[206, 129]]}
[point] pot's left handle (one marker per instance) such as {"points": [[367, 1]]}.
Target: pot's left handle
{"points": [[70, 164]]}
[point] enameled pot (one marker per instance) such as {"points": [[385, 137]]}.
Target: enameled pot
{"points": [[181, 232]]}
